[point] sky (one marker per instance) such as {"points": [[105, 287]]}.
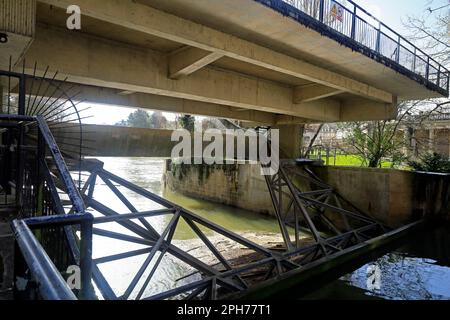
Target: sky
{"points": [[391, 12]]}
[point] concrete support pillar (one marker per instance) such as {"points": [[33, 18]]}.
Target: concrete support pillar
{"points": [[291, 137]]}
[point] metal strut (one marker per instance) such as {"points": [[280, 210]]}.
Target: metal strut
{"points": [[303, 202]]}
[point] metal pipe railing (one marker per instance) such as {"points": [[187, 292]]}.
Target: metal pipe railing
{"points": [[44, 273], [71, 189], [84, 254], [42, 254], [351, 20]]}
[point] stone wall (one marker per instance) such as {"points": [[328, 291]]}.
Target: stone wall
{"points": [[394, 197]]}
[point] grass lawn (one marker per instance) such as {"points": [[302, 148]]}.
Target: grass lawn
{"points": [[350, 161]]}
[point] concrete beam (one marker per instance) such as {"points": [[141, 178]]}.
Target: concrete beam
{"points": [[163, 103], [116, 141], [188, 60], [17, 21], [142, 18], [313, 92], [92, 61], [320, 110], [364, 110]]}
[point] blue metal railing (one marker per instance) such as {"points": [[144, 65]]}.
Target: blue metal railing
{"points": [[47, 278], [355, 23], [37, 262]]}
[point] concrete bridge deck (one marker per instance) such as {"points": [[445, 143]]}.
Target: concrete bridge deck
{"points": [[238, 59]]}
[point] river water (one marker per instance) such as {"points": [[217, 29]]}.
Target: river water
{"points": [[419, 269]]}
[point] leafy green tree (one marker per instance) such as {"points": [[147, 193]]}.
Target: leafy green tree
{"points": [[373, 141], [142, 119], [187, 122], [432, 162], [139, 119], [121, 123]]}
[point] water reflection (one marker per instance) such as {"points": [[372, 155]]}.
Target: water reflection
{"points": [[418, 270]]}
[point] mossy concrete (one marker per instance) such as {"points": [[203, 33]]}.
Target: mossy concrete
{"points": [[393, 197]]}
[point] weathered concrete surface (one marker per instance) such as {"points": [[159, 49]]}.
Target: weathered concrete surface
{"points": [[291, 139], [134, 16], [17, 21], [393, 197], [117, 141], [92, 94], [255, 22], [236, 185], [138, 70]]}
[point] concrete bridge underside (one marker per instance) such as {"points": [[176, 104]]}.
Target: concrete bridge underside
{"points": [[116, 141], [229, 59]]}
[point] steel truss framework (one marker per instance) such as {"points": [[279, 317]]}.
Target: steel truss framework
{"points": [[227, 276], [303, 200]]}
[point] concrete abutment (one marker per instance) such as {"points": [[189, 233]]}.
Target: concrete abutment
{"points": [[393, 197]]}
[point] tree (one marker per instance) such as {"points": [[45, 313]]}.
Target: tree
{"points": [[121, 123], [158, 121], [431, 31], [431, 162], [142, 119], [373, 141], [139, 119], [209, 123], [187, 122], [376, 140]]}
